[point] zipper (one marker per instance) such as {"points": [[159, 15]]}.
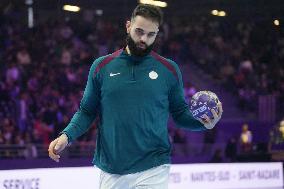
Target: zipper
{"points": [[133, 73]]}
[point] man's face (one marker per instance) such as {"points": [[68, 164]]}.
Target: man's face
{"points": [[142, 33]]}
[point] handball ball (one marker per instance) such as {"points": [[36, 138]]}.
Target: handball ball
{"points": [[202, 102]]}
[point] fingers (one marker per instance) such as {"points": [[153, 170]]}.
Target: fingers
{"points": [[51, 151], [220, 107], [57, 146], [60, 145], [207, 119], [210, 123], [215, 116], [202, 121]]}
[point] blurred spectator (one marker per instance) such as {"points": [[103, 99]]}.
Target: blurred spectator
{"points": [[189, 91], [276, 134], [2, 140], [66, 57], [9, 131], [30, 151], [24, 110], [248, 101], [246, 139], [23, 57], [209, 139], [281, 129], [42, 130], [12, 73], [231, 149], [217, 157]]}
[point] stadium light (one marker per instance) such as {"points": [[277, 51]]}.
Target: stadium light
{"points": [[71, 8], [276, 22], [215, 12], [30, 13], [156, 3], [99, 12], [218, 13], [222, 13]]}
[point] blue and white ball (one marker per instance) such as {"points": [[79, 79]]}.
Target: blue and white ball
{"points": [[202, 102]]}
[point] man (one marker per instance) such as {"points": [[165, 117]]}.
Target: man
{"points": [[132, 91]]}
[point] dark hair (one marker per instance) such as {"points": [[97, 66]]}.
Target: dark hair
{"points": [[151, 12]]}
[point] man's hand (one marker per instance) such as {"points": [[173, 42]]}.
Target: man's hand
{"points": [[56, 146], [210, 123]]}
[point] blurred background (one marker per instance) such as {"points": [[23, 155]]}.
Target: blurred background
{"points": [[234, 48]]}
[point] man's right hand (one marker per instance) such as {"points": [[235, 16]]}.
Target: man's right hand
{"points": [[56, 146]]}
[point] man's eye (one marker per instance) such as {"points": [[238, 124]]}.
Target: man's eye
{"points": [[139, 32], [151, 34]]}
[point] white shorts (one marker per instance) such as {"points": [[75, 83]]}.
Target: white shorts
{"points": [[154, 178]]}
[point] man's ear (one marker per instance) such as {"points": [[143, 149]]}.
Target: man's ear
{"points": [[128, 24]]}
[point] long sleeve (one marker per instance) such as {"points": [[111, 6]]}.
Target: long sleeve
{"points": [[87, 111], [179, 108]]}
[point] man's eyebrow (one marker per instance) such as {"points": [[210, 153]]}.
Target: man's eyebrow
{"points": [[140, 29], [152, 33]]}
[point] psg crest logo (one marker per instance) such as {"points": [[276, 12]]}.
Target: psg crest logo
{"points": [[202, 102]]}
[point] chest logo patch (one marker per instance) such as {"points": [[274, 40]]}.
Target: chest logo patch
{"points": [[113, 74], [153, 75]]}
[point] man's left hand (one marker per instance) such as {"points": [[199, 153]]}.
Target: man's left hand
{"points": [[210, 123]]}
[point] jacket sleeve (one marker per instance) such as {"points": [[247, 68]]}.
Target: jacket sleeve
{"points": [[88, 108], [179, 108]]}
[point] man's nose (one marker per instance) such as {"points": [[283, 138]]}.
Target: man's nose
{"points": [[143, 38]]}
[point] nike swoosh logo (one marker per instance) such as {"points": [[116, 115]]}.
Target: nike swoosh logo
{"points": [[113, 74]]}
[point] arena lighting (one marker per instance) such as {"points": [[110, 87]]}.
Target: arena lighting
{"points": [[156, 3], [221, 13], [30, 13], [71, 8], [276, 22], [215, 12], [99, 12]]}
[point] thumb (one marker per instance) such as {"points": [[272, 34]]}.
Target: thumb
{"points": [[59, 146], [61, 143]]}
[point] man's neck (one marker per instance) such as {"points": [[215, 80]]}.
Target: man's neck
{"points": [[127, 50]]}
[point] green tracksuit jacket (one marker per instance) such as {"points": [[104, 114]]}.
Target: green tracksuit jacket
{"points": [[133, 97]]}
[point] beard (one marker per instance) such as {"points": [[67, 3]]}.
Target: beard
{"points": [[135, 49]]}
